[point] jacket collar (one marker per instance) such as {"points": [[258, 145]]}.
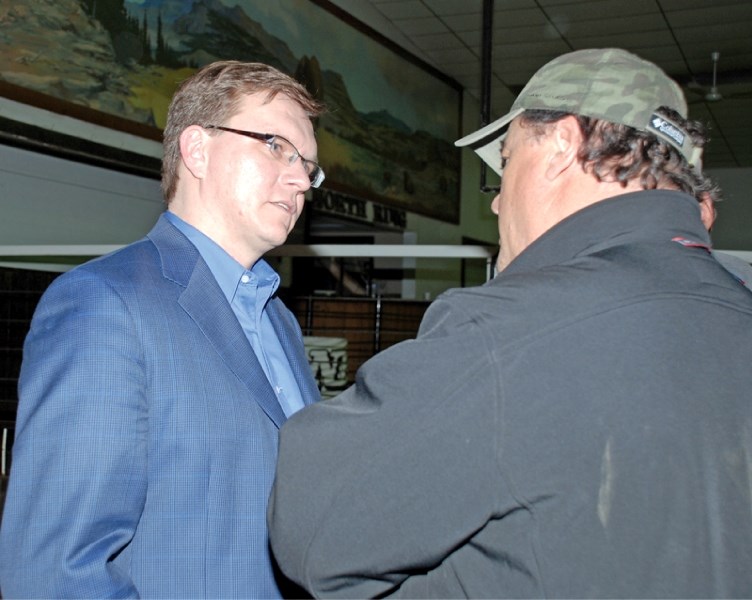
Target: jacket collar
{"points": [[655, 215]]}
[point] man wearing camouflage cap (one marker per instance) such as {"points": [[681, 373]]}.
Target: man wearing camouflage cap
{"points": [[581, 425]]}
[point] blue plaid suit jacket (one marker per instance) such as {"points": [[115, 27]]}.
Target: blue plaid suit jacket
{"points": [[146, 436]]}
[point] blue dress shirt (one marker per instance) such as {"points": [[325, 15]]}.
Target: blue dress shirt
{"points": [[248, 292]]}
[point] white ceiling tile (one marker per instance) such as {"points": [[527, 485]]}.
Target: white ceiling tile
{"points": [[443, 8], [464, 22], [739, 31], [436, 41], [418, 27], [453, 56], [602, 9], [524, 35], [514, 4], [504, 51], [735, 54], [633, 40], [671, 5], [470, 38], [716, 14], [507, 19], [621, 26], [407, 9]]}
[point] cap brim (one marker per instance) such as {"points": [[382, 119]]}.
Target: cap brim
{"points": [[485, 142]]}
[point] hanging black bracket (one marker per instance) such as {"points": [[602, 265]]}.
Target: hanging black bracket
{"points": [[485, 82]]}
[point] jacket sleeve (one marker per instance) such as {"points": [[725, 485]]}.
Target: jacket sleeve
{"points": [[384, 466], [78, 478]]}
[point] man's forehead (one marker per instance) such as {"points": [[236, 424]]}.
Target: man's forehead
{"points": [[511, 133]]}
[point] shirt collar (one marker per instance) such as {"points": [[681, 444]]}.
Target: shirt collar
{"points": [[226, 270]]}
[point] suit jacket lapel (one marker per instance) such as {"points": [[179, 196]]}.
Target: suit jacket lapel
{"points": [[203, 300]]}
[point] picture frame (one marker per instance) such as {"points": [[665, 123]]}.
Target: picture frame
{"points": [[391, 120]]}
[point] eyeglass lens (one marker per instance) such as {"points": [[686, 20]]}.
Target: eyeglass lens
{"points": [[282, 149]]}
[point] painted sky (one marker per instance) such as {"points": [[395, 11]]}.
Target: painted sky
{"points": [[376, 77]]}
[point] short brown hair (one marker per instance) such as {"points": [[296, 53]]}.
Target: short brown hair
{"points": [[613, 152], [213, 95]]}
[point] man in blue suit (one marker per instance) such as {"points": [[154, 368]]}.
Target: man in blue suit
{"points": [[155, 379]]}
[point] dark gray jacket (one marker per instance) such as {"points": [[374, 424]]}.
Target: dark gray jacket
{"points": [[581, 426]]}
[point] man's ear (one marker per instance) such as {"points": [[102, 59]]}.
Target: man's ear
{"points": [[193, 150], [707, 211], [565, 138]]}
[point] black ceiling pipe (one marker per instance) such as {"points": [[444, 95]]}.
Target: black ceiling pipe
{"points": [[485, 80]]}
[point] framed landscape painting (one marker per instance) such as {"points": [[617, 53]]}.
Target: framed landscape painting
{"points": [[391, 120]]}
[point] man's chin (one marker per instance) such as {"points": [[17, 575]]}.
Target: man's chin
{"points": [[275, 241]]}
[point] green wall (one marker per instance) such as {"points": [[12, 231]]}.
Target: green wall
{"points": [[733, 225]]}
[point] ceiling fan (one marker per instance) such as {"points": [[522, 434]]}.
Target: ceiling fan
{"points": [[737, 87], [712, 94]]}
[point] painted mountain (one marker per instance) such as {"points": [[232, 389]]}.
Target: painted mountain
{"points": [[125, 58]]}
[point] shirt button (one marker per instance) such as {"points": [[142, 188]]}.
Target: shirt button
{"points": [[245, 278]]}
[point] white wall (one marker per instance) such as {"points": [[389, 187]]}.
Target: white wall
{"points": [[48, 200]]}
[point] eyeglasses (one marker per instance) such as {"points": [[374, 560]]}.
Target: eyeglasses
{"points": [[282, 149]]}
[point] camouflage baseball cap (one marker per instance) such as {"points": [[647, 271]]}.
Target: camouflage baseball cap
{"points": [[606, 83]]}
